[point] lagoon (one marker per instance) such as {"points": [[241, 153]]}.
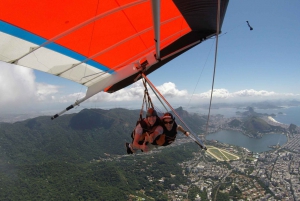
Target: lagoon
{"points": [[252, 144]]}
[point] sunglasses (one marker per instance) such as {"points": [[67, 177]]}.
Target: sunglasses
{"points": [[168, 122]]}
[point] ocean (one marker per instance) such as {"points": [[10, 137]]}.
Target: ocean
{"points": [[286, 115]]}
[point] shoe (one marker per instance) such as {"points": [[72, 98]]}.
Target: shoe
{"points": [[128, 148]]}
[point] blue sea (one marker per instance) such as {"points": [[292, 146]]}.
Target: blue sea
{"points": [[286, 115]]}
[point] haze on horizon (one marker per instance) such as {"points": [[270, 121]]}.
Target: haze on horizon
{"points": [[21, 94]]}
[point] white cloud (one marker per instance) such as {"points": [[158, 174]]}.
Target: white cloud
{"points": [[10, 88], [19, 91], [17, 87], [44, 91], [254, 93], [133, 95], [169, 91], [220, 95], [135, 92]]}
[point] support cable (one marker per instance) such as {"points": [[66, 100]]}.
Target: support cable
{"points": [[158, 98], [215, 64]]}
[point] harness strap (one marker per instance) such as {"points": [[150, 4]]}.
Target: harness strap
{"points": [[147, 102]]}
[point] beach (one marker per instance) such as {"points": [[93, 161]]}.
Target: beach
{"points": [[270, 120], [273, 120]]}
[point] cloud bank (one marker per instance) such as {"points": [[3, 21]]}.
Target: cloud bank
{"points": [[19, 92]]}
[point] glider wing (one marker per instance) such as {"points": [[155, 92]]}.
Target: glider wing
{"points": [[98, 43]]}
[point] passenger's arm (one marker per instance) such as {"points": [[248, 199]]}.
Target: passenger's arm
{"points": [[181, 129], [137, 134]]}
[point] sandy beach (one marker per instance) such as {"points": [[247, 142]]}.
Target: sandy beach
{"points": [[273, 120]]}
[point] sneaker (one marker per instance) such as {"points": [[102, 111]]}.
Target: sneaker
{"points": [[128, 148]]}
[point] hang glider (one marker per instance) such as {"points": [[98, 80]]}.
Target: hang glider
{"points": [[102, 44]]}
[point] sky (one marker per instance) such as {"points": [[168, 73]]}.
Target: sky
{"points": [[258, 65]]}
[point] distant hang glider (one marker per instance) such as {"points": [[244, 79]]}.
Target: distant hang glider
{"points": [[102, 44], [249, 26]]}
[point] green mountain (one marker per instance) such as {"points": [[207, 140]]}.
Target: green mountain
{"points": [[235, 123], [106, 179], [250, 112], [74, 137], [256, 124], [82, 157], [193, 121], [79, 137], [292, 128]]}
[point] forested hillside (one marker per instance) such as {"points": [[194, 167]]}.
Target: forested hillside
{"points": [[74, 138], [81, 157], [77, 137]]}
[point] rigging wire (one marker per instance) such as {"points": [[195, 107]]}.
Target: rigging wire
{"points": [[194, 137], [158, 97], [215, 64], [166, 110], [200, 74], [230, 30], [146, 100]]}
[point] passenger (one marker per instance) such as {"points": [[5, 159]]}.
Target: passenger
{"points": [[170, 130], [146, 131]]}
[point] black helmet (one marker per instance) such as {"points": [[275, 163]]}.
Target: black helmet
{"points": [[151, 112]]}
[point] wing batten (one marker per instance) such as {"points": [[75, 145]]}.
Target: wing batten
{"points": [[156, 22]]}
